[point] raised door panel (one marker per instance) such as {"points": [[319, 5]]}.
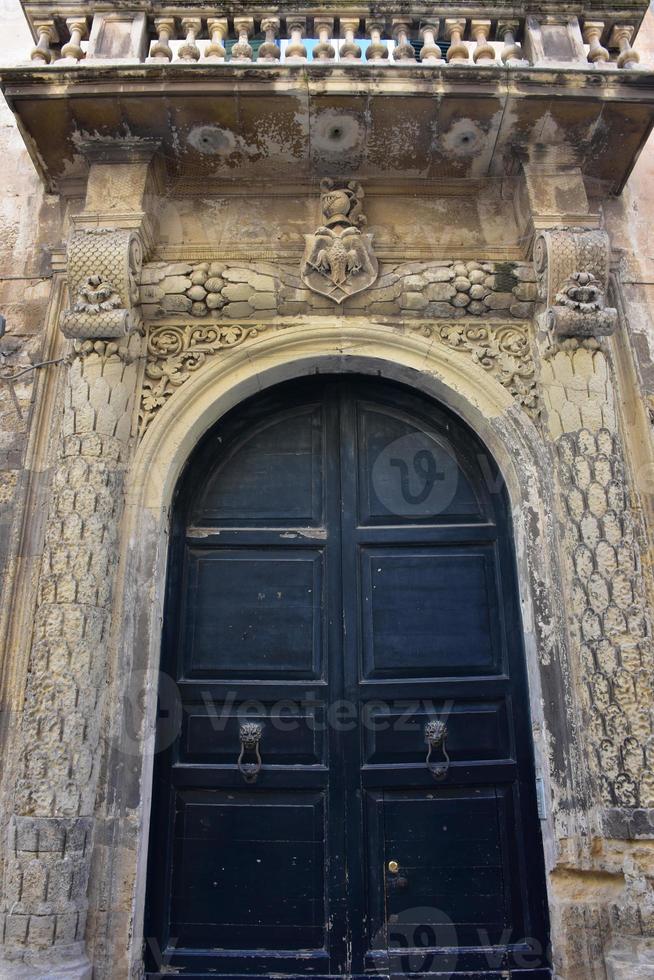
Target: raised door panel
{"points": [[270, 474], [430, 612], [293, 731], [453, 894], [394, 731], [409, 472], [248, 870], [254, 613]]}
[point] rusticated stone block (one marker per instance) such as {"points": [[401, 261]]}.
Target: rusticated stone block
{"points": [[237, 310], [499, 301], [442, 274], [16, 927], [41, 931], [526, 291], [237, 292], [440, 292], [521, 310], [413, 301], [176, 284], [263, 301], [176, 304]]}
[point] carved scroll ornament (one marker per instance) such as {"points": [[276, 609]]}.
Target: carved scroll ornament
{"points": [[573, 271], [176, 351], [104, 266]]}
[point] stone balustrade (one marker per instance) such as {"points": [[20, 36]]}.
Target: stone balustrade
{"points": [[453, 39]]}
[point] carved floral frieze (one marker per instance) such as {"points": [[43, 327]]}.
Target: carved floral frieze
{"points": [[176, 352]]}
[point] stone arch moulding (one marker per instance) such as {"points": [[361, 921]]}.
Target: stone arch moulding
{"points": [[447, 375]]}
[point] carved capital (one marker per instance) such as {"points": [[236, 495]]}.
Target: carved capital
{"points": [[573, 270], [104, 267]]}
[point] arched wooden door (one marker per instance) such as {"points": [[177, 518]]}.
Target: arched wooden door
{"points": [[341, 600]]}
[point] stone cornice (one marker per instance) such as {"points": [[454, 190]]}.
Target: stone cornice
{"points": [[166, 94]]}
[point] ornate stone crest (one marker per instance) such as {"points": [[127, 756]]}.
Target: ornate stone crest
{"points": [[338, 259]]}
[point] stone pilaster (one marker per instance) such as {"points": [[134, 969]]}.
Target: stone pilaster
{"points": [[610, 632], [60, 742], [48, 855]]}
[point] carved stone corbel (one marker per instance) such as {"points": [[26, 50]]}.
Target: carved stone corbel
{"points": [[573, 270], [104, 267]]}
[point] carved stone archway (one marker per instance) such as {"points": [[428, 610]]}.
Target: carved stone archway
{"points": [[425, 363]]}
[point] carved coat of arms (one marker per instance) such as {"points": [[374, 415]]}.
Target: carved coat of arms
{"points": [[338, 259]]}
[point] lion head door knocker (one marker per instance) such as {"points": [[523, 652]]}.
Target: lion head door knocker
{"points": [[338, 259], [250, 735], [435, 736]]}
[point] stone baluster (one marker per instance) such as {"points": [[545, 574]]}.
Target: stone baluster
{"points": [[217, 27], [242, 50], [349, 50], [269, 50], [77, 28], [295, 49], [324, 50], [430, 53], [592, 34], [165, 28], [47, 33], [403, 50], [377, 50], [511, 52], [457, 53], [189, 51], [621, 36], [484, 52]]}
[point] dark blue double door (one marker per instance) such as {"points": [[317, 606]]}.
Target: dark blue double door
{"points": [[341, 578]]}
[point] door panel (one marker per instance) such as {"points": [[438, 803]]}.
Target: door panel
{"points": [[409, 474], [210, 737], [429, 611], [232, 852], [284, 458], [394, 731], [254, 612], [341, 574]]}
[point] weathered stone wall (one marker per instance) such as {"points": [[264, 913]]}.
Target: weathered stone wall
{"points": [[29, 222], [30, 227], [609, 619]]}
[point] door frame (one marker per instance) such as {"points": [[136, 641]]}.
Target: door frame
{"points": [[433, 369]]}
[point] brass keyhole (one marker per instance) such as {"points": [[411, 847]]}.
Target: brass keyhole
{"points": [[393, 867]]}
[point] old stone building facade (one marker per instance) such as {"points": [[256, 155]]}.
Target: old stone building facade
{"points": [[203, 204]]}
